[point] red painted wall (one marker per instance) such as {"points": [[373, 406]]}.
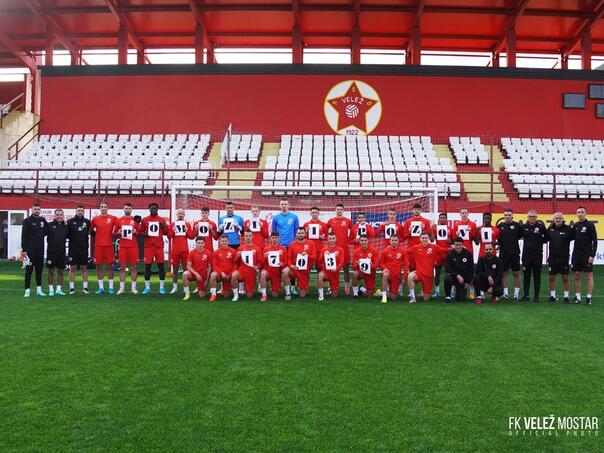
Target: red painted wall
{"points": [[10, 90], [276, 104]]}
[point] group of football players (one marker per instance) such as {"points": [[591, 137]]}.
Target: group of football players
{"points": [[252, 254]]}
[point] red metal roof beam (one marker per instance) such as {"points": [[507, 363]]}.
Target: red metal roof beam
{"points": [[125, 22], [598, 13], [18, 51], [511, 25], [198, 15]]}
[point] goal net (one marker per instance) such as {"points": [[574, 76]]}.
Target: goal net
{"points": [[374, 202]]}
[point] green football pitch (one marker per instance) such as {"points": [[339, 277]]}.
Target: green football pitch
{"points": [[153, 373]]}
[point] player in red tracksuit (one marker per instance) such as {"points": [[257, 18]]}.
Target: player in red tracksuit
{"points": [[316, 230], [330, 263], [101, 227], [301, 256], [390, 228], [199, 263], [249, 261], [341, 226], [275, 259], [365, 261], [413, 227], [258, 226], [224, 263], [153, 229], [361, 228], [180, 232], [206, 229], [466, 229], [425, 255], [127, 230], [487, 234], [392, 263], [443, 236]]}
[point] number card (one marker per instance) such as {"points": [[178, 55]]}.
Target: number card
{"points": [[255, 225], [389, 231], [273, 259], [365, 265], [180, 228], [127, 232], [464, 232], [203, 229], [330, 261], [153, 230], [302, 261], [487, 235], [442, 232], [313, 231], [248, 257], [416, 228]]}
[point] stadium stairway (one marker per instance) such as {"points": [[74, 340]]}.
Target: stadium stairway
{"points": [[14, 125], [477, 186]]}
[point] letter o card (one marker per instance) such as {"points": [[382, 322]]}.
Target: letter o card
{"points": [[153, 230], [203, 229], [389, 231], [442, 232], [302, 261]]}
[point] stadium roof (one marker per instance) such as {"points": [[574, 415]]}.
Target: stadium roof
{"points": [[541, 26]]}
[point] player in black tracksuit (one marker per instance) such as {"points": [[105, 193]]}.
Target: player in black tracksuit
{"points": [[489, 275], [33, 232], [55, 251], [510, 233], [534, 235], [459, 271], [78, 232], [584, 253], [560, 236]]}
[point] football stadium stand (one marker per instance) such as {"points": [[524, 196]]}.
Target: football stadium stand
{"points": [[244, 148], [469, 150]]}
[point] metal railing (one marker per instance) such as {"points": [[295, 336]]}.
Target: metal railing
{"points": [[22, 142], [5, 109]]}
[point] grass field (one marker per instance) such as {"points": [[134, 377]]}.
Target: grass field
{"points": [[102, 373]]}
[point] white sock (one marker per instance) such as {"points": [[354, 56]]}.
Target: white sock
{"points": [[133, 286], [355, 290], [85, 285], [481, 293], [50, 288], [71, 285], [213, 291], [263, 291], [39, 289], [588, 296], [566, 293], [101, 284], [186, 289], [437, 290], [27, 291], [552, 293], [241, 287], [321, 291], [58, 287], [412, 293], [122, 285], [174, 285], [578, 296], [161, 284], [506, 292], [288, 290], [235, 293], [147, 284], [111, 282], [516, 292]]}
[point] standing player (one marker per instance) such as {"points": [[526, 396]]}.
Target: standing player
{"points": [[198, 265], [459, 271], [286, 224], [231, 225], [390, 228], [55, 251], [534, 235], [224, 262], [487, 233], [300, 258], [180, 232], [365, 260], [32, 248], [127, 229], [586, 246], [414, 226], [392, 263], [258, 227], [559, 235], [510, 233], [206, 229], [153, 229], [442, 234], [341, 226], [78, 230], [466, 229], [275, 259], [249, 259], [361, 228], [489, 275], [424, 255], [316, 230], [330, 262], [101, 228]]}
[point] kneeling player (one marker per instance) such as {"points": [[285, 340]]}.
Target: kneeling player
{"points": [[249, 259], [223, 265], [489, 275], [198, 264], [425, 256], [392, 263], [300, 258], [364, 264], [275, 258], [331, 261]]}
